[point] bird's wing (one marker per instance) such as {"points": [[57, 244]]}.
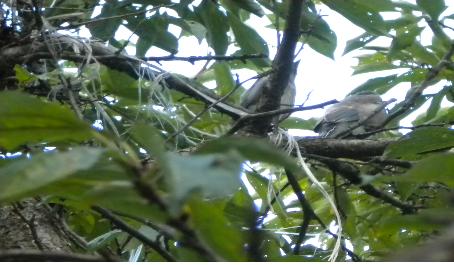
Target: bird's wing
{"points": [[341, 114], [249, 98], [336, 119]]}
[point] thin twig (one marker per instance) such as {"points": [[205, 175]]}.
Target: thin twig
{"points": [[352, 174], [243, 120], [77, 25], [192, 59], [308, 212], [416, 91], [367, 134], [133, 232]]}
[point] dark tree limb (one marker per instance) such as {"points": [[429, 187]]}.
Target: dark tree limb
{"points": [[357, 149], [40, 256], [308, 212], [282, 68], [192, 59], [352, 174], [244, 119]]}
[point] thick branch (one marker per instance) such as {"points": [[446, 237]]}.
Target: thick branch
{"points": [[35, 255], [282, 68], [342, 148], [65, 45]]}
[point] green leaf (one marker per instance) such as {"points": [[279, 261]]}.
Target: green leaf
{"points": [[25, 119], [240, 210], [25, 176], [378, 84], [216, 176], [224, 80], [345, 202], [215, 230], [149, 139], [251, 149], [248, 39], [373, 63], [103, 239], [358, 42], [195, 28], [445, 115], [214, 21], [406, 19], [121, 84], [249, 5], [432, 7], [105, 29], [360, 14], [23, 76], [435, 104], [319, 35], [405, 38], [421, 141], [153, 31], [435, 168], [298, 123], [422, 55]]}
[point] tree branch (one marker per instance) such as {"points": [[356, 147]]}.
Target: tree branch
{"points": [[133, 232], [416, 91], [282, 68], [40, 256]]}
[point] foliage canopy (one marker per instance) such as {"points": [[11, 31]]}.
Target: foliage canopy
{"points": [[138, 161]]}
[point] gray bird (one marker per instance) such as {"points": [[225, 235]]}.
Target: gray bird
{"points": [[341, 118], [250, 98]]}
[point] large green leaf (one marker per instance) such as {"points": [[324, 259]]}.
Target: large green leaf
{"points": [[298, 123], [149, 139], [215, 176], [435, 168], [378, 84], [224, 80], [251, 149], [214, 21], [105, 29], [358, 42], [216, 231], [121, 84], [405, 37], [318, 35], [26, 120], [421, 141], [372, 63], [360, 14], [248, 39], [432, 7], [445, 115], [22, 177], [249, 5], [422, 55], [153, 31]]}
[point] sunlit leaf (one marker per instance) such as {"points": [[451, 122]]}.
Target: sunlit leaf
{"points": [[24, 176], [25, 119]]}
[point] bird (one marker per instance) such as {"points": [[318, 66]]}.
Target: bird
{"points": [[250, 97], [341, 118]]}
